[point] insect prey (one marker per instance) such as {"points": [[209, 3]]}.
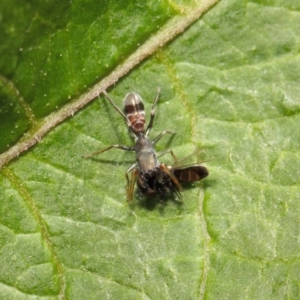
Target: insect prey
{"points": [[152, 176]]}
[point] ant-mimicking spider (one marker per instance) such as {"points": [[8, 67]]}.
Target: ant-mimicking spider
{"points": [[152, 176]]}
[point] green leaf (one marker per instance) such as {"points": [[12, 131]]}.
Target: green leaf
{"points": [[230, 86]]}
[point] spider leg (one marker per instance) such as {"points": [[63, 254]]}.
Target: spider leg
{"points": [[164, 168], [131, 181], [107, 148], [149, 127]]}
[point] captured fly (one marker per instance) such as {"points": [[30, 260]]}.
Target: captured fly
{"points": [[190, 173]]}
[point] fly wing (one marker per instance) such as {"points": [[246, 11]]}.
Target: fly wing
{"points": [[190, 173]]}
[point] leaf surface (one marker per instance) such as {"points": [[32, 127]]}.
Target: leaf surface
{"points": [[230, 86]]}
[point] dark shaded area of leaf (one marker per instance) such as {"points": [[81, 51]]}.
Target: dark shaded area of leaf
{"points": [[52, 52], [13, 119]]}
